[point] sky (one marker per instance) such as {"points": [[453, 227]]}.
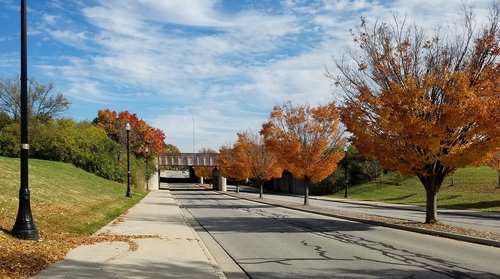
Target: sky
{"points": [[198, 69]]}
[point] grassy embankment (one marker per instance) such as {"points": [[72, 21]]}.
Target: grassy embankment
{"points": [[474, 188], [68, 205]]}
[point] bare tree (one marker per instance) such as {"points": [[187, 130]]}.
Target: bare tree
{"points": [[43, 103]]}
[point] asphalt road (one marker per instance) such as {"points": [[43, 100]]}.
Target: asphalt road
{"points": [[273, 242], [486, 221]]}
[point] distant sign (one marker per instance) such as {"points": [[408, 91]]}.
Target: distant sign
{"points": [[188, 159]]}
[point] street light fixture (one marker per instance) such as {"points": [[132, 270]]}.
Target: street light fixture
{"points": [[147, 167], [345, 172], [127, 128], [24, 227]]}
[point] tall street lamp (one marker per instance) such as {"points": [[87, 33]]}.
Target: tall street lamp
{"points": [[345, 172], [24, 227], [193, 136], [147, 167], [127, 127]]}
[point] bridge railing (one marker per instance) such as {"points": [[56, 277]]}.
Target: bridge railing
{"points": [[188, 159]]}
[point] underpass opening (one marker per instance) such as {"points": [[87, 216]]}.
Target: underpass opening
{"points": [[179, 168]]}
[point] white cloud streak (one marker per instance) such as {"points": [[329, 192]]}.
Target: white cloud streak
{"points": [[162, 58]]}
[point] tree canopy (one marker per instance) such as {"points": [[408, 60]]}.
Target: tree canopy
{"points": [[306, 140], [423, 104], [141, 134], [261, 162], [43, 102]]}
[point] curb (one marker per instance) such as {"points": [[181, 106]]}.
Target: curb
{"points": [[191, 223], [454, 236]]}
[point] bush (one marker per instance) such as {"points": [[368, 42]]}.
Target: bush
{"points": [[10, 140], [80, 143], [360, 169]]}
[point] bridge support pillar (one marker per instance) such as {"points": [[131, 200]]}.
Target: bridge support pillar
{"points": [[222, 183], [152, 184]]}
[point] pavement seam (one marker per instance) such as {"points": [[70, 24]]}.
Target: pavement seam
{"points": [[213, 263], [459, 237]]}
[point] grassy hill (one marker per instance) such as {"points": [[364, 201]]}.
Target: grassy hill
{"points": [[63, 197], [472, 188], [68, 204]]}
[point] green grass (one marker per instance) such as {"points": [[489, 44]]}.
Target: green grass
{"points": [[473, 188], [63, 197]]}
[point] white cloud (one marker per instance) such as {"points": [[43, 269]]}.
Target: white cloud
{"points": [[162, 58]]}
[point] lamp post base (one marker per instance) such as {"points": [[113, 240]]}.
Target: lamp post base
{"points": [[26, 231], [25, 228]]}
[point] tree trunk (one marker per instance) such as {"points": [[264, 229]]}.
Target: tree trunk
{"points": [[261, 192], [431, 206], [306, 190], [238, 187], [432, 181], [498, 178]]}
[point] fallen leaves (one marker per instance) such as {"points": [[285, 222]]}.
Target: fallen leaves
{"points": [[364, 216], [23, 259]]}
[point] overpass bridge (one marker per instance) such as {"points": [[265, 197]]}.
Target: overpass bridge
{"points": [[192, 160], [188, 160]]}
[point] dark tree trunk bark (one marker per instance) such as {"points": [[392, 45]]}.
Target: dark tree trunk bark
{"points": [[238, 187], [431, 206], [306, 190], [432, 181], [498, 178], [261, 192]]}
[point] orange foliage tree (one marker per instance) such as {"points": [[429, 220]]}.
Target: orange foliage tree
{"points": [[205, 172], [307, 140], [492, 159], [141, 134], [423, 105], [232, 164], [262, 163]]}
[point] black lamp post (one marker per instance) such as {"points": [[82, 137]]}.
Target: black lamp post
{"points": [[346, 164], [146, 150], [127, 128], [24, 227]]}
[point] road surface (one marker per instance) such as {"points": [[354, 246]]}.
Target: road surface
{"points": [[273, 242], [486, 221]]}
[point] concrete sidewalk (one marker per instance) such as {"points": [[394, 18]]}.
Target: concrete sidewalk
{"points": [[177, 252]]}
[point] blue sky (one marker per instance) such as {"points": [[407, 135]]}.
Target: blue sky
{"points": [[222, 63]]}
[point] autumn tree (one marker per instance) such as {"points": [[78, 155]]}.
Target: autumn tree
{"points": [[205, 171], [43, 102], [492, 159], [423, 104], [307, 140], [232, 164], [262, 163], [171, 149], [141, 134]]}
